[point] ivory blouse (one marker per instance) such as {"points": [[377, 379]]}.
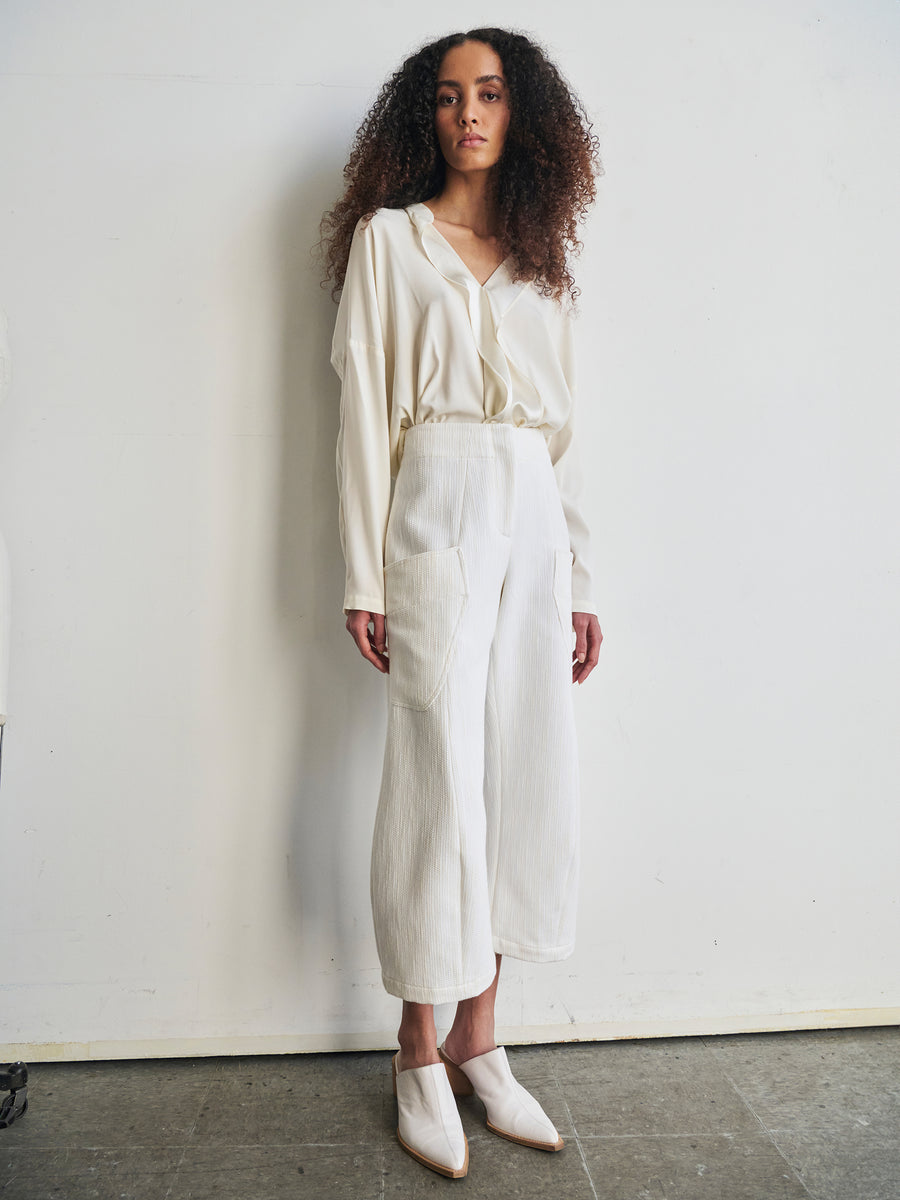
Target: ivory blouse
{"points": [[417, 338]]}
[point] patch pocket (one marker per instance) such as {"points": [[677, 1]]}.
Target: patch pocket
{"points": [[424, 598], [562, 591]]}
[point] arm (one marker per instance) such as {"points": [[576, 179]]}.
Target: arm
{"points": [[362, 457], [565, 456]]}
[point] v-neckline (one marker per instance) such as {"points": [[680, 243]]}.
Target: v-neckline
{"points": [[459, 257]]}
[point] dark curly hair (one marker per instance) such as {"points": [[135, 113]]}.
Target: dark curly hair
{"points": [[545, 179]]}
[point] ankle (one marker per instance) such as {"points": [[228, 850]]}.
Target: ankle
{"points": [[418, 1048], [464, 1043]]}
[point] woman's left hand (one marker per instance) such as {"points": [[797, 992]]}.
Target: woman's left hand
{"points": [[587, 645]]}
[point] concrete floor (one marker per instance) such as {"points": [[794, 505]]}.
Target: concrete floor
{"points": [[742, 1117]]}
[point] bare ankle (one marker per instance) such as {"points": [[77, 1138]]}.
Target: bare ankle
{"points": [[465, 1042], [415, 1052], [418, 1044]]}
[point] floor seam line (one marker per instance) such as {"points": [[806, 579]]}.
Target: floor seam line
{"points": [[787, 1162], [581, 1153]]}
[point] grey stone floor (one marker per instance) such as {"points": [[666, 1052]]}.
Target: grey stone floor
{"points": [[769, 1116]]}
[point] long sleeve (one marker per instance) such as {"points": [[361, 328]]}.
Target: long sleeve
{"points": [[362, 457], [566, 459]]}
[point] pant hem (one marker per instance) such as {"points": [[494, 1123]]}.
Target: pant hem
{"points": [[533, 953], [439, 995]]}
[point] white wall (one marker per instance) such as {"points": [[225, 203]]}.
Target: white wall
{"points": [[193, 748]]}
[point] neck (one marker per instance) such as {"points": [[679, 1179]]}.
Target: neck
{"points": [[467, 199]]}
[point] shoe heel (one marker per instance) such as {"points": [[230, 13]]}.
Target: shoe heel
{"points": [[459, 1080]]}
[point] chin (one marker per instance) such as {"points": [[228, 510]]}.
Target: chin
{"points": [[473, 162]]}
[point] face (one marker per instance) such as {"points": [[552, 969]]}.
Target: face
{"points": [[472, 113]]}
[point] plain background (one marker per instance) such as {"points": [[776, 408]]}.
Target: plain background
{"points": [[194, 745]]}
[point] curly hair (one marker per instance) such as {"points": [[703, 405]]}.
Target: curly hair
{"points": [[545, 178]]}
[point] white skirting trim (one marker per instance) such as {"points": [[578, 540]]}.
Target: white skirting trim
{"points": [[513, 1035]]}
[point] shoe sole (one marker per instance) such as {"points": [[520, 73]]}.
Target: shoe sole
{"points": [[450, 1172], [512, 1137]]}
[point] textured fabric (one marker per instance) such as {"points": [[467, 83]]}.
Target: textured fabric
{"points": [[475, 846], [418, 340]]}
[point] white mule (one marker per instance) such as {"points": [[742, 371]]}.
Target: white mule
{"points": [[428, 1125], [512, 1111]]}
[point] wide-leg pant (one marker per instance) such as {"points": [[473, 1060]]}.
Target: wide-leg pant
{"points": [[476, 839]]}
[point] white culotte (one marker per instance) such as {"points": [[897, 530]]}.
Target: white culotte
{"points": [[476, 839]]}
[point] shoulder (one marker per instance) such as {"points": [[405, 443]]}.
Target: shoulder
{"points": [[382, 243], [384, 223], [388, 218]]}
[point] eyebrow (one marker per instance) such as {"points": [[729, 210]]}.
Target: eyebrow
{"points": [[480, 79]]}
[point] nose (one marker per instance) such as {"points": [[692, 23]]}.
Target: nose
{"points": [[467, 114]]}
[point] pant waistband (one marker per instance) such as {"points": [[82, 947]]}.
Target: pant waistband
{"points": [[473, 439]]}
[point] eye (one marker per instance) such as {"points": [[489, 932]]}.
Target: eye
{"points": [[492, 95], [447, 99]]}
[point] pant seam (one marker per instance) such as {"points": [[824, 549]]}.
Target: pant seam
{"points": [[459, 840], [492, 689], [574, 871], [462, 504], [452, 739]]}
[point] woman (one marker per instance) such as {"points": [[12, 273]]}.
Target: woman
{"points": [[455, 351]]}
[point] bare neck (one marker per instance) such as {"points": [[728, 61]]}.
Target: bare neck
{"points": [[466, 200]]}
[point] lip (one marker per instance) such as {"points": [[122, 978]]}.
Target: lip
{"points": [[472, 140]]}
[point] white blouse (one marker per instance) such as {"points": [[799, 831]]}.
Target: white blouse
{"points": [[417, 338]]}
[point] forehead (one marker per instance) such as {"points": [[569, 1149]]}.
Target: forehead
{"points": [[467, 62]]}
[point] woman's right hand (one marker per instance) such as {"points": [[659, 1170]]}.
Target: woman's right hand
{"points": [[371, 645]]}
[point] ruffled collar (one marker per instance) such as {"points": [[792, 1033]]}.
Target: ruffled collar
{"points": [[487, 305], [501, 290]]}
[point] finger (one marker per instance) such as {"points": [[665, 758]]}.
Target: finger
{"points": [[358, 627], [377, 660], [379, 635], [594, 638], [378, 641], [581, 643], [372, 655], [581, 624]]}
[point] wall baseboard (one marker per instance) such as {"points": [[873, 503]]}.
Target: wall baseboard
{"points": [[311, 1043]]}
